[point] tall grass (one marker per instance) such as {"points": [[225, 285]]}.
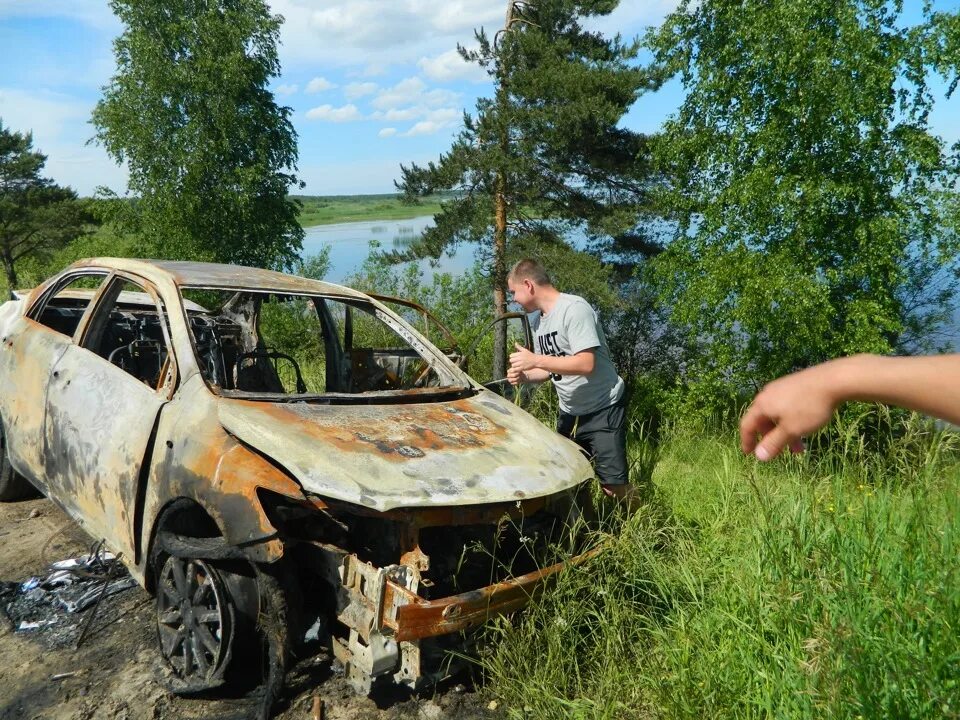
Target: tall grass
{"points": [[822, 585]]}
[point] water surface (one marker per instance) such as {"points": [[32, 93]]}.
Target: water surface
{"points": [[350, 245]]}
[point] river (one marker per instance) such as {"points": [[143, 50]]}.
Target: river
{"points": [[350, 245]]}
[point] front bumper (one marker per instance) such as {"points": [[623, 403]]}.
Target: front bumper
{"points": [[411, 617]]}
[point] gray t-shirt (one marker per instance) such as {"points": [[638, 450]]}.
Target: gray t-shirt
{"points": [[571, 327]]}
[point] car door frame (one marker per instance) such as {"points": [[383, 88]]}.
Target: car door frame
{"points": [[25, 410], [499, 386], [100, 480]]}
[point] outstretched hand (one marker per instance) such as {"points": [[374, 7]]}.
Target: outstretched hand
{"points": [[785, 411], [801, 403]]}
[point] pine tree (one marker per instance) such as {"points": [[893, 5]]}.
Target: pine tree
{"points": [[545, 154], [37, 216]]}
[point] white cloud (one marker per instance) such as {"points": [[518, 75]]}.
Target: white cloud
{"points": [[413, 91], [377, 24], [358, 90], [374, 32], [374, 70], [319, 84], [424, 127], [387, 132], [429, 120], [362, 32], [451, 66], [286, 89], [632, 18], [404, 92], [94, 14], [435, 121], [60, 131], [442, 116], [398, 114], [50, 116], [328, 113]]}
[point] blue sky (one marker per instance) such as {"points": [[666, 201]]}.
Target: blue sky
{"points": [[372, 83]]}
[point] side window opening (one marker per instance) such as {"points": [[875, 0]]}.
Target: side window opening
{"points": [[379, 358], [62, 310], [129, 332]]}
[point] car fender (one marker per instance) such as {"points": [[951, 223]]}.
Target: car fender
{"points": [[195, 458]]}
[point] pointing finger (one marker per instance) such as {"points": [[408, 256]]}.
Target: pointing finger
{"points": [[754, 422]]}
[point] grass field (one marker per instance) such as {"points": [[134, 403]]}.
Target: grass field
{"points": [[821, 586], [358, 208]]}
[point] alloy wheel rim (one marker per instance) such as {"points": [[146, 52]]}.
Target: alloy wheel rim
{"points": [[192, 620]]}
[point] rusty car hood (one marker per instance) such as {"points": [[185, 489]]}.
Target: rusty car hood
{"points": [[469, 451]]}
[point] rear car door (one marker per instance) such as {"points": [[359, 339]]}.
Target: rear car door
{"points": [[104, 401], [31, 347]]}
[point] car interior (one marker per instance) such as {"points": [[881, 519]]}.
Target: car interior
{"points": [[260, 342], [257, 342]]}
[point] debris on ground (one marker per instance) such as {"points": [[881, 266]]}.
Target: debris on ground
{"points": [[53, 603]]}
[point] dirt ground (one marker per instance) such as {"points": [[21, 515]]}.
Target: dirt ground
{"points": [[114, 672]]}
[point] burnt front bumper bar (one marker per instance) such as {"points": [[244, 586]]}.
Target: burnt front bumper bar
{"points": [[411, 617]]}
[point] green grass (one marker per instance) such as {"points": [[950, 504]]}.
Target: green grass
{"points": [[357, 208], [826, 585]]}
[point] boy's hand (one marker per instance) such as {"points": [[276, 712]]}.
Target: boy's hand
{"points": [[515, 377], [522, 359]]}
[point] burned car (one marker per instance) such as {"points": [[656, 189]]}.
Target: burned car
{"points": [[264, 450]]}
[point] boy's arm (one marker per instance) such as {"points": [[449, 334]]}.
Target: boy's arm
{"points": [[516, 377], [801, 403], [580, 364]]}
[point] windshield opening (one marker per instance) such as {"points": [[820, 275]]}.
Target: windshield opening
{"points": [[273, 344]]}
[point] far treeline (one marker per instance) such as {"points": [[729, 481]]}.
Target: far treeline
{"points": [[798, 206]]}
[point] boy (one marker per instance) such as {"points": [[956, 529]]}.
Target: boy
{"points": [[572, 352]]}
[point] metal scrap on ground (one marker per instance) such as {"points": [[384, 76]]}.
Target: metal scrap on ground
{"points": [[56, 599]]}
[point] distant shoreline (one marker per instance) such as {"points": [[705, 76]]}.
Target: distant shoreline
{"points": [[333, 209]]}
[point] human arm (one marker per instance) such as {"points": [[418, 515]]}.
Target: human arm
{"points": [[518, 377], [803, 402], [582, 363]]}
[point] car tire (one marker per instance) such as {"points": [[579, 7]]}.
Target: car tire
{"points": [[13, 486], [211, 611]]}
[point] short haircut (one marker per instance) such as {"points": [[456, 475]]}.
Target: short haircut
{"points": [[532, 270]]}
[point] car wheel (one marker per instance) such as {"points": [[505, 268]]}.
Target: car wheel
{"points": [[195, 622], [13, 486]]}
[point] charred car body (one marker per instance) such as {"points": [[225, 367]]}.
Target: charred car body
{"points": [[371, 482]]}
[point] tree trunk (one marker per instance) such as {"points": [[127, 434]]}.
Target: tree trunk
{"points": [[500, 279], [500, 348], [10, 270]]}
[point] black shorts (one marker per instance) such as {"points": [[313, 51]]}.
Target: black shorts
{"points": [[603, 435]]}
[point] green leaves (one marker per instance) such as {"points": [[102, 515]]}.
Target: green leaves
{"points": [[210, 153], [803, 170], [550, 133], [37, 216]]}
